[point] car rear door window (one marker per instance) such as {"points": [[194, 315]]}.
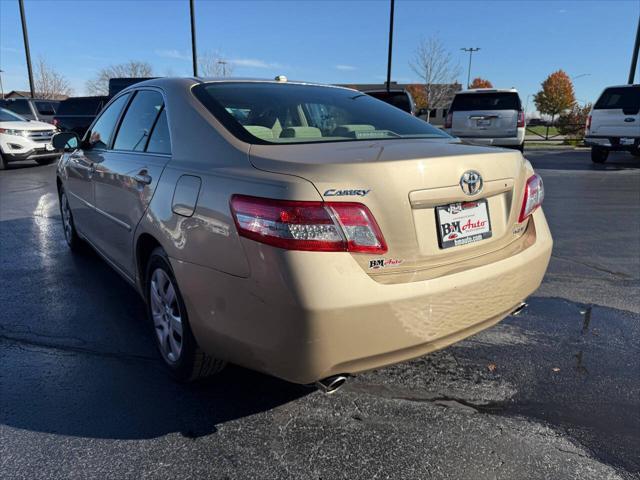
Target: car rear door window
{"points": [[102, 130], [159, 142], [46, 108], [138, 121], [466, 102]]}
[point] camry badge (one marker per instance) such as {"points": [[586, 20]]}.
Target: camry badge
{"points": [[471, 182]]}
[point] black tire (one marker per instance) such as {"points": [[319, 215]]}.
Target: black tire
{"points": [[191, 362], [68, 226], [45, 161], [3, 164], [599, 155], [636, 152]]}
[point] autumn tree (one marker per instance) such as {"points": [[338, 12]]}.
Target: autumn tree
{"points": [[480, 83], [572, 122], [556, 95], [213, 64], [50, 84], [418, 93], [99, 85], [434, 64]]}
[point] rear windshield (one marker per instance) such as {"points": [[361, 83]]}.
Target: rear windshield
{"points": [[81, 106], [398, 99], [486, 101], [279, 113], [625, 98]]}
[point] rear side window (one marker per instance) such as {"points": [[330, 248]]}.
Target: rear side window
{"points": [[486, 101], [46, 108], [159, 141], [21, 107], [625, 98], [398, 99], [138, 121], [102, 130]]}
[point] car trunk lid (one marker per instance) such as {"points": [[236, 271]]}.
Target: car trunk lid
{"points": [[617, 113], [402, 182]]}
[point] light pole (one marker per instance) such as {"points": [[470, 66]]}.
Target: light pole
{"points": [[1, 88], [25, 37], [194, 54], [634, 56], [392, 7], [575, 77], [470, 50]]}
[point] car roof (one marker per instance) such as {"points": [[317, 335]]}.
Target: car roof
{"points": [[624, 86], [488, 90], [176, 81]]}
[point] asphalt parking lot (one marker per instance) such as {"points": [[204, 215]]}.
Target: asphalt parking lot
{"points": [[553, 393]]}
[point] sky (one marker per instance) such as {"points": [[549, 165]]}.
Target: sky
{"points": [[521, 42]]}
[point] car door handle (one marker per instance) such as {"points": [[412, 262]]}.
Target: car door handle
{"points": [[143, 177]]}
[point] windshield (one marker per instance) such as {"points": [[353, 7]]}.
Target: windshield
{"points": [[486, 101], [8, 116], [292, 113]]}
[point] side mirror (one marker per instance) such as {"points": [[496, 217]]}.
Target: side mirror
{"points": [[65, 141]]}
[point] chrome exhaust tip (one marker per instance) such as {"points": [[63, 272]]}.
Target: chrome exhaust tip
{"points": [[332, 384], [516, 311]]}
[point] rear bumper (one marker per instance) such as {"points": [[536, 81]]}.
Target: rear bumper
{"points": [[303, 316], [612, 143]]}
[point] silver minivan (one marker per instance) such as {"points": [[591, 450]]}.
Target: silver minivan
{"points": [[487, 116], [614, 122]]}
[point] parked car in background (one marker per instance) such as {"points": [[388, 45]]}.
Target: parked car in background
{"points": [[487, 116], [22, 139], [39, 109], [614, 122], [303, 230], [75, 114], [401, 99]]}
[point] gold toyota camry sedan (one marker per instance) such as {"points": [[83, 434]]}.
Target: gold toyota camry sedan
{"points": [[303, 230]]}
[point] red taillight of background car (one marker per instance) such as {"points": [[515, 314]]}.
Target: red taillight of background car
{"points": [[448, 122], [55, 122], [520, 119], [533, 196], [588, 125], [310, 226]]}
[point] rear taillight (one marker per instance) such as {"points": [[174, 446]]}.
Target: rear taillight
{"points": [[533, 196], [448, 122], [55, 122], [588, 124], [520, 119], [314, 226]]}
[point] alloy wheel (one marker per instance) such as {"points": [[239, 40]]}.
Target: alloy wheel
{"points": [[167, 319], [66, 218]]}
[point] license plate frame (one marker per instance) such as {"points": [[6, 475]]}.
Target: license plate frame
{"points": [[471, 212], [627, 142], [483, 122]]}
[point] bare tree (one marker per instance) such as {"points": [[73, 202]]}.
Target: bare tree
{"points": [[99, 85], [50, 84], [213, 64], [434, 64]]}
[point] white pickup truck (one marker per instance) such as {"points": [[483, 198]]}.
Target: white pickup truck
{"points": [[614, 122]]}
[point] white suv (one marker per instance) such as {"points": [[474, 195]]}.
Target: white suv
{"points": [[21, 139], [614, 122], [487, 116]]}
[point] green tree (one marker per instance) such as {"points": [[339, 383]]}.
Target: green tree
{"points": [[556, 95], [572, 123]]}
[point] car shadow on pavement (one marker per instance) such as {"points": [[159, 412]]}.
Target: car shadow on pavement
{"points": [[580, 160], [78, 358]]}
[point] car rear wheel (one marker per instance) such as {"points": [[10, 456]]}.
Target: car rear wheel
{"points": [[3, 164], [168, 314], [70, 233], [599, 155]]}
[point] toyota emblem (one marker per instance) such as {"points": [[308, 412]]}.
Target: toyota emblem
{"points": [[471, 182]]}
